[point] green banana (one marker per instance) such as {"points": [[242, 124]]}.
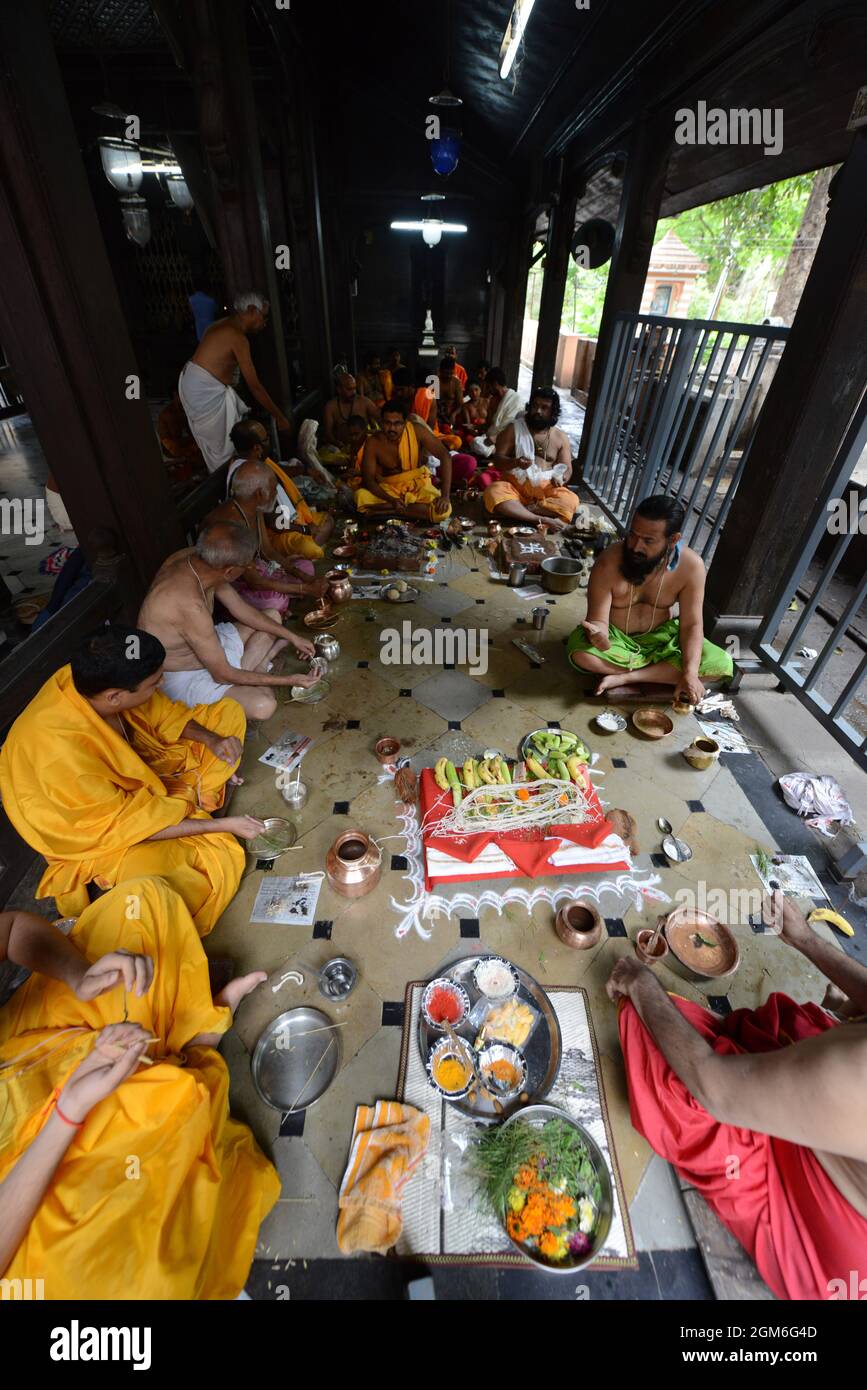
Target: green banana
{"points": [[451, 774], [504, 768]]}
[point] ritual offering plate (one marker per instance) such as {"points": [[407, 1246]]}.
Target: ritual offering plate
{"points": [[549, 746], [296, 1059], [520, 1029], [527, 547], [317, 619], [398, 591], [703, 948], [311, 694], [278, 836]]}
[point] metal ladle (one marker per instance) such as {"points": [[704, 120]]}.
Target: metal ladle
{"points": [[674, 848]]}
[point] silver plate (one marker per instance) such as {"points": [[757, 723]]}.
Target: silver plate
{"points": [[310, 694], [294, 1075], [409, 596], [540, 1114], [543, 1052], [525, 748]]}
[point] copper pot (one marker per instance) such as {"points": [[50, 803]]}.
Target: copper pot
{"points": [[579, 925], [339, 586], [353, 864]]}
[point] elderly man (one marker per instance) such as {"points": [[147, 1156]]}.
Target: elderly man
{"points": [[205, 384], [764, 1111], [108, 778], [121, 1173], [394, 481], [205, 661], [629, 635], [340, 409], [296, 530], [534, 459]]}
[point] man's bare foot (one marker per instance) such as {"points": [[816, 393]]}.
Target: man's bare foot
{"points": [[238, 989], [607, 682]]}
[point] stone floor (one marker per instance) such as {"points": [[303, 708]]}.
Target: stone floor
{"points": [[723, 813]]}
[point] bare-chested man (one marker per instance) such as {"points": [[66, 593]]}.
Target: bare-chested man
{"points": [[535, 461], [393, 478], [341, 408], [763, 1110], [451, 397], [205, 662], [205, 384], [629, 634]]}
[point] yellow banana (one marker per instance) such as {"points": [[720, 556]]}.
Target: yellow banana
{"points": [[469, 774], [440, 774], [825, 914], [485, 773], [576, 771], [537, 769]]}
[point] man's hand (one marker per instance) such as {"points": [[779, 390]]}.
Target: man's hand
{"points": [[786, 919], [304, 681], [624, 977], [115, 1056], [228, 750], [135, 972], [302, 645], [689, 690], [245, 827], [597, 633], [314, 588]]}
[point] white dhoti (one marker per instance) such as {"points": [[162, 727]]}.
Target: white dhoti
{"points": [[198, 687], [212, 409]]}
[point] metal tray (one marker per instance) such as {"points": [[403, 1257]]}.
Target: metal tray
{"points": [[410, 595], [294, 1075], [543, 1052], [525, 748]]}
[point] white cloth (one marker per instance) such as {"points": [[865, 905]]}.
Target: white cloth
{"points": [[284, 502], [536, 475], [199, 687], [820, 800], [57, 511], [212, 409], [504, 415], [307, 448]]}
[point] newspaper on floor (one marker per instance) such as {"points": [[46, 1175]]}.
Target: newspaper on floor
{"points": [[288, 902], [728, 736], [791, 873], [287, 752]]}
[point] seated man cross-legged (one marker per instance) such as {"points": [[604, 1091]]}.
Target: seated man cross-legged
{"points": [[108, 778], [119, 1179], [206, 661], [394, 481], [629, 636], [534, 458], [764, 1111]]}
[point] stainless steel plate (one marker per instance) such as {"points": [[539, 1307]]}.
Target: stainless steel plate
{"points": [[543, 1051], [294, 1063], [408, 596], [526, 749], [310, 694]]}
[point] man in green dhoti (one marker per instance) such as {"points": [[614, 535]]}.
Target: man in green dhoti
{"points": [[629, 635]]}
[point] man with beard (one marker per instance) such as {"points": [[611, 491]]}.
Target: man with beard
{"points": [[535, 463], [341, 408], [629, 635]]}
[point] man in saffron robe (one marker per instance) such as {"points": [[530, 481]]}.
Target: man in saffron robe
{"points": [[764, 1111], [109, 779], [394, 481], [118, 1179]]}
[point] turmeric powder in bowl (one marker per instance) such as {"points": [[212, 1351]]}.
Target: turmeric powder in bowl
{"points": [[451, 1074]]}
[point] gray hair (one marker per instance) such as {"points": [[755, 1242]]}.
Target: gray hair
{"points": [[250, 478], [249, 299], [224, 545]]}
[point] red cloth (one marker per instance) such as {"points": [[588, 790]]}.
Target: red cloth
{"points": [[783, 1208]]}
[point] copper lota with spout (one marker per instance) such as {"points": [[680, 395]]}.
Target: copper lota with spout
{"points": [[353, 864], [339, 586]]}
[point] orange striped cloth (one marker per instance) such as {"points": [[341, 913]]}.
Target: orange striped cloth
{"points": [[389, 1141]]}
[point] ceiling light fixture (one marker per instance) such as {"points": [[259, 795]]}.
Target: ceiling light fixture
{"points": [[420, 226], [514, 33]]}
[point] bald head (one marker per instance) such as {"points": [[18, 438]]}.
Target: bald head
{"points": [[223, 545], [255, 479], [345, 382]]}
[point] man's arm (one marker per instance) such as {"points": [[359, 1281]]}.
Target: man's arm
{"points": [[808, 1093], [504, 450], [836, 965], [428, 441], [371, 410], [369, 474], [599, 595], [691, 601], [252, 617], [197, 628], [564, 456], [244, 358]]}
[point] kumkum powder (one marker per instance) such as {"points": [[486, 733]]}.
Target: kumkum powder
{"points": [[444, 1007]]}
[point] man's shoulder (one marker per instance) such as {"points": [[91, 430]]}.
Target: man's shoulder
{"points": [[690, 563]]}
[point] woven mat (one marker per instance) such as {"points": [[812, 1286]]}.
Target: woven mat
{"points": [[444, 1219]]}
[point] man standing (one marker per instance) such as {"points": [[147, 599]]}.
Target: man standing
{"points": [[393, 478], [535, 462], [206, 661], [205, 383], [629, 634], [504, 403], [341, 408]]}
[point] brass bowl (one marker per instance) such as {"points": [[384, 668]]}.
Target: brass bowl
{"points": [[652, 723], [701, 753], [681, 926]]}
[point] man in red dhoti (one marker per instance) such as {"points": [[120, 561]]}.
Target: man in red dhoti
{"points": [[764, 1112]]}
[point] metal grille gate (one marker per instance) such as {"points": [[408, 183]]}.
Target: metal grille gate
{"points": [[676, 412]]}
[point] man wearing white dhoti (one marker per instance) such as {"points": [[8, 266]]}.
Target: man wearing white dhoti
{"points": [[212, 405]]}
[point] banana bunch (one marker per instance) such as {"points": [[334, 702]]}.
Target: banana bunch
{"points": [[826, 914], [570, 769], [476, 772]]}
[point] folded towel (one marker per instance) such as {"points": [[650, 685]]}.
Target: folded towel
{"points": [[389, 1140]]}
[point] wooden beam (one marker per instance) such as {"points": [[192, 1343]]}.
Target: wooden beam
{"points": [[819, 381], [643, 184]]}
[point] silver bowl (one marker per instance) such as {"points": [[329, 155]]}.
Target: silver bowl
{"points": [[560, 575], [276, 828], [605, 1206]]}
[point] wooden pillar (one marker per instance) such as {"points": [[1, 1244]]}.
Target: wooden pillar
{"points": [[561, 229], [513, 297], [819, 381], [643, 184], [61, 321]]}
